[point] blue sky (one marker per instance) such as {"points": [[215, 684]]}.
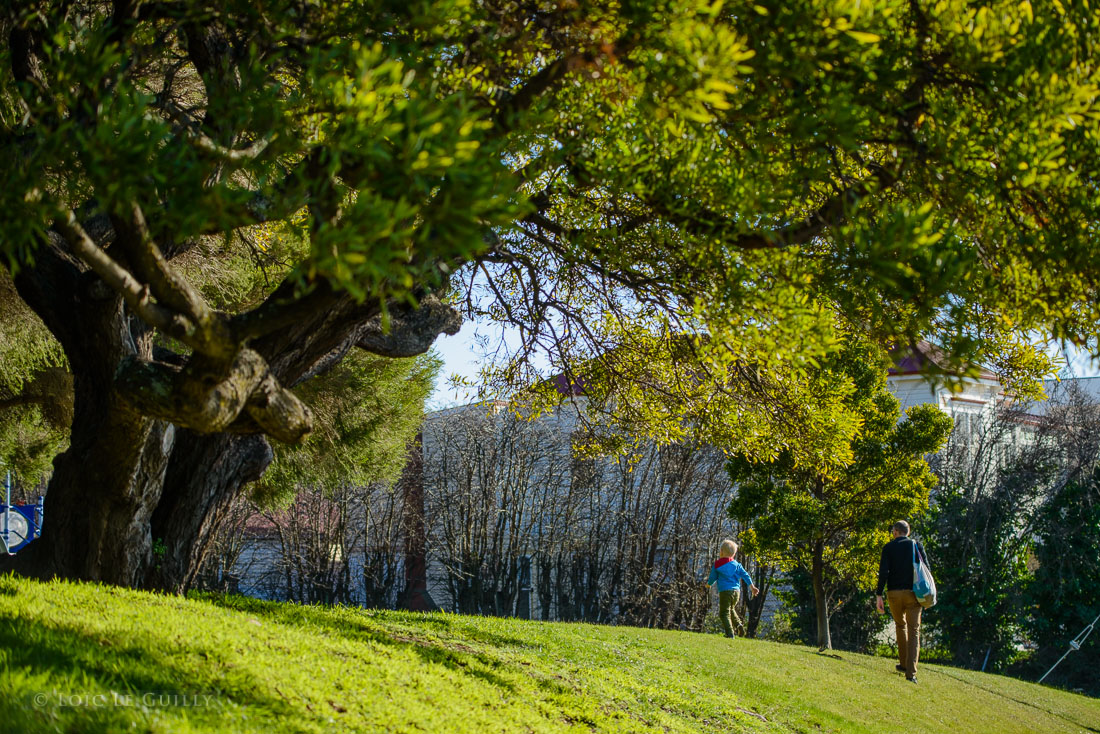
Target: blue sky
{"points": [[459, 357]]}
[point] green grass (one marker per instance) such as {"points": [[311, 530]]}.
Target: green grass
{"points": [[87, 658]]}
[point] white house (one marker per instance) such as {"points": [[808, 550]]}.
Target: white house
{"points": [[968, 400]]}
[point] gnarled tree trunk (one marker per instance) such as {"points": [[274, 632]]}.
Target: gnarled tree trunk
{"points": [[135, 500], [106, 485]]}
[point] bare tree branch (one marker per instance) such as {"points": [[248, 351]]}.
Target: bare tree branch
{"points": [[204, 143]]}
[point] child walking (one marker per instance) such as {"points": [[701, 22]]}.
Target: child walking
{"points": [[729, 574]]}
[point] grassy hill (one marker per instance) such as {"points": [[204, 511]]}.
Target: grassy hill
{"points": [[86, 658]]}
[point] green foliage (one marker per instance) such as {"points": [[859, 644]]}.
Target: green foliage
{"points": [[607, 178], [653, 389], [415, 184], [830, 523], [1012, 508], [981, 563], [1010, 537], [240, 270], [1064, 594], [289, 668], [792, 508], [28, 444], [368, 409], [26, 346], [876, 132], [35, 400]]}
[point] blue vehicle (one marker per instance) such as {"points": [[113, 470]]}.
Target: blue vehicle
{"points": [[19, 524]]}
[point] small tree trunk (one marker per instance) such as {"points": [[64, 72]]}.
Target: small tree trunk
{"points": [[824, 641], [414, 534], [757, 603], [545, 584]]}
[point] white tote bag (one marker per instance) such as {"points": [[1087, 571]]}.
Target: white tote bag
{"points": [[923, 584]]}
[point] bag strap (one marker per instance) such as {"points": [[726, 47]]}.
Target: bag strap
{"points": [[918, 554]]}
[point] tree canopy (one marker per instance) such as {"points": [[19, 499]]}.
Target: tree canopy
{"points": [[208, 203]]}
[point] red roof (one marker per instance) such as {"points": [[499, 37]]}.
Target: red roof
{"points": [[918, 359]]}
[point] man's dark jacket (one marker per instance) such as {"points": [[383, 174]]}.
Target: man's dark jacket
{"points": [[895, 570]]}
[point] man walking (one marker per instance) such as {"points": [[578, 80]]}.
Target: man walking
{"points": [[895, 574]]}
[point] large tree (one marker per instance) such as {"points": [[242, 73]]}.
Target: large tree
{"points": [[602, 176]]}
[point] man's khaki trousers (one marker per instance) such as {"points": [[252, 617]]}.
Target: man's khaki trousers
{"points": [[905, 609]]}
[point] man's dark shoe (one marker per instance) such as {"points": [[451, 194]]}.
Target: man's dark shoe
{"points": [[899, 668]]}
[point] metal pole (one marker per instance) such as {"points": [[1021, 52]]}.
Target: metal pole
{"points": [[1074, 644], [7, 512]]}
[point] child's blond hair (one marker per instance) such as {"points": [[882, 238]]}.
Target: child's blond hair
{"points": [[728, 549]]}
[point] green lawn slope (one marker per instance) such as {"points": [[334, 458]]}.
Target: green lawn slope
{"points": [[87, 658]]}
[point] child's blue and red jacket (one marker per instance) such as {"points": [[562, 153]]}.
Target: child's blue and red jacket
{"points": [[728, 573]]}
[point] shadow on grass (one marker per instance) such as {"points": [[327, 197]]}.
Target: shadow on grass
{"points": [[431, 620], [1095, 727], [115, 682], [944, 670], [349, 624]]}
